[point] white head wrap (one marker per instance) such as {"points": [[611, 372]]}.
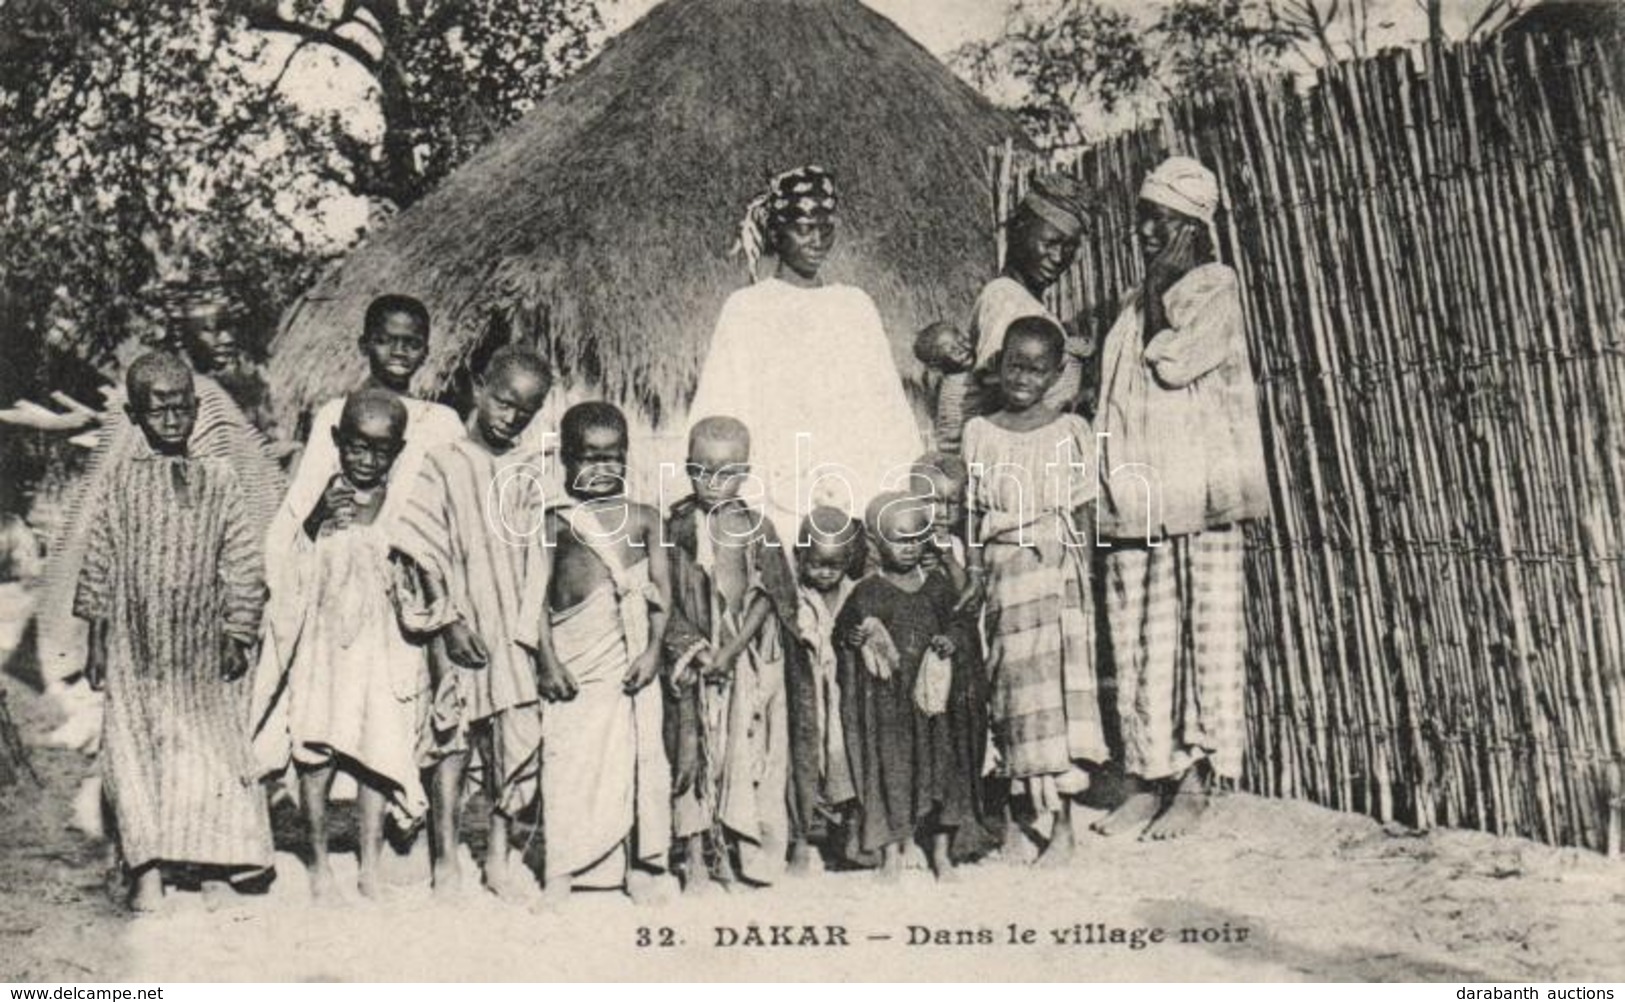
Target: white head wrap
{"points": [[1184, 185]]}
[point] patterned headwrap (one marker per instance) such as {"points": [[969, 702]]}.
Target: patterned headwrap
{"points": [[1058, 200], [802, 195]]}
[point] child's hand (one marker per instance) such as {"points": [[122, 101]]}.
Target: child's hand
{"points": [[943, 645], [555, 684], [643, 670], [974, 593], [338, 500], [464, 647], [233, 658], [719, 668]]}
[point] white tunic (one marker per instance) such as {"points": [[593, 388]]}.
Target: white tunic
{"points": [[811, 374]]}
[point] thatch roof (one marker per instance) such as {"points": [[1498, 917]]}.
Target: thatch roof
{"points": [[597, 227]]}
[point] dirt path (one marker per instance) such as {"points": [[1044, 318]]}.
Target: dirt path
{"points": [[1281, 890]]}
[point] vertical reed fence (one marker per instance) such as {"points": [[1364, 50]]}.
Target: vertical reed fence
{"points": [[1430, 248]]}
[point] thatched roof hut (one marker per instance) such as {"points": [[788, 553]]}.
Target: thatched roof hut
{"points": [[597, 227]]}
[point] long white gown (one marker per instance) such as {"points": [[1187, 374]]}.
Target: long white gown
{"points": [[811, 374]]}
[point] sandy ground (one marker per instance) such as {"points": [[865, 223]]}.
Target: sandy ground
{"points": [[1268, 890]]}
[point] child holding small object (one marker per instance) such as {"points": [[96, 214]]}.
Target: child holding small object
{"points": [[356, 685], [908, 676], [727, 639], [829, 552]]}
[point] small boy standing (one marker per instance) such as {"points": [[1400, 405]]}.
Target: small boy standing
{"points": [[732, 624], [469, 532], [829, 551], [172, 588], [356, 686], [606, 785], [909, 688]]}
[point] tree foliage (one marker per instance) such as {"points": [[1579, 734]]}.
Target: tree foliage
{"points": [[1074, 69], [145, 137]]}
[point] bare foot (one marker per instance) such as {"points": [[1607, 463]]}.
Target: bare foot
{"points": [[802, 858], [697, 881], [891, 865], [217, 893], [554, 896], [369, 884], [511, 883], [645, 888], [323, 888], [1132, 815], [147, 896], [1058, 852], [447, 879], [1184, 809]]}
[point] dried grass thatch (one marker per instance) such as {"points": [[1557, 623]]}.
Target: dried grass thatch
{"points": [[597, 228]]}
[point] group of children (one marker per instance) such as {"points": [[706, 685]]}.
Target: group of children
{"points": [[677, 693]]}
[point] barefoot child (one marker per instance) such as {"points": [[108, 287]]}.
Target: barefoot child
{"points": [[172, 589], [829, 551], [908, 688], [732, 624], [395, 340], [469, 531], [355, 684], [598, 610], [1031, 506]]}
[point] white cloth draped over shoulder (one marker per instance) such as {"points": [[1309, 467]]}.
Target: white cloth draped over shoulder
{"points": [[290, 567], [813, 362]]}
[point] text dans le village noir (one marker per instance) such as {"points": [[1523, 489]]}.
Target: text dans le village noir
{"points": [[1012, 934]]}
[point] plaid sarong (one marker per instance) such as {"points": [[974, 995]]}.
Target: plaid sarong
{"points": [[1178, 634], [1045, 702]]}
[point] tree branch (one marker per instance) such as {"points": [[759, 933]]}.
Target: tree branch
{"points": [[267, 20]]}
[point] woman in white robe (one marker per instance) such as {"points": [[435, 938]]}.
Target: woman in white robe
{"points": [[807, 367]]}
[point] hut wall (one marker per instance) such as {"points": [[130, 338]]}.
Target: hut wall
{"points": [[1430, 249]]}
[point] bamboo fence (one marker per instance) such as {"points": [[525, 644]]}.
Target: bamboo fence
{"points": [[1430, 249]]}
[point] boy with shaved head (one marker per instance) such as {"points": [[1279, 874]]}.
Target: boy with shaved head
{"points": [[731, 626], [594, 623], [469, 529], [172, 588], [355, 684]]}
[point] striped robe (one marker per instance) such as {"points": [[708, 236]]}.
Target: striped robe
{"points": [[221, 431], [171, 566], [472, 524], [1044, 702]]}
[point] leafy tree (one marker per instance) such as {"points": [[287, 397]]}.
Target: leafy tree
{"points": [[1079, 66], [445, 75], [141, 137]]}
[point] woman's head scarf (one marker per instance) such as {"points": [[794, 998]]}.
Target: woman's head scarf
{"points": [[802, 195]]}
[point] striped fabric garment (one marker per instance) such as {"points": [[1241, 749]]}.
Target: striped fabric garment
{"points": [[1045, 702], [1178, 634], [172, 563], [221, 432], [472, 525]]}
